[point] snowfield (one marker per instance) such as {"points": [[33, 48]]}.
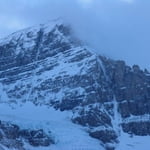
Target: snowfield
{"points": [[133, 143], [68, 136]]}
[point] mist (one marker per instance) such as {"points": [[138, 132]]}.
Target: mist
{"points": [[119, 29]]}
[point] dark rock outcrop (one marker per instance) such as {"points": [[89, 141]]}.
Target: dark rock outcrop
{"points": [[106, 136], [137, 128], [11, 136]]}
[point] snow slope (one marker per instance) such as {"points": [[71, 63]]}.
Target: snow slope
{"points": [[68, 136], [128, 142]]}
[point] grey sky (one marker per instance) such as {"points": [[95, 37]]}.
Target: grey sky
{"points": [[119, 29]]}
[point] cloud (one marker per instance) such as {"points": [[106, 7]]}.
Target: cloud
{"points": [[111, 27]]}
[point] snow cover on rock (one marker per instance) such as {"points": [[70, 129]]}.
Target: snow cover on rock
{"points": [[48, 80]]}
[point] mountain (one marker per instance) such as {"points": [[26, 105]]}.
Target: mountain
{"points": [[57, 94]]}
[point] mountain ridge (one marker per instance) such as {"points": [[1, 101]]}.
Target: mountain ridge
{"points": [[49, 66]]}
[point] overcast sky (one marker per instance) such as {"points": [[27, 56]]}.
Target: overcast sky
{"points": [[119, 29]]}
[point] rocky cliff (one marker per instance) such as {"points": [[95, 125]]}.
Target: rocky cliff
{"points": [[47, 65]]}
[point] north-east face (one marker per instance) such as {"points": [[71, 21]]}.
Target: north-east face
{"points": [[48, 66]]}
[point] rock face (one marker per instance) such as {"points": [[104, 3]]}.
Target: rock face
{"points": [[11, 136], [47, 65]]}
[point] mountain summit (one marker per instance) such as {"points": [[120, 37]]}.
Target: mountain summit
{"points": [[56, 94]]}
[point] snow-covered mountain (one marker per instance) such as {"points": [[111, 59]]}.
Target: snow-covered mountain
{"points": [[57, 94]]}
